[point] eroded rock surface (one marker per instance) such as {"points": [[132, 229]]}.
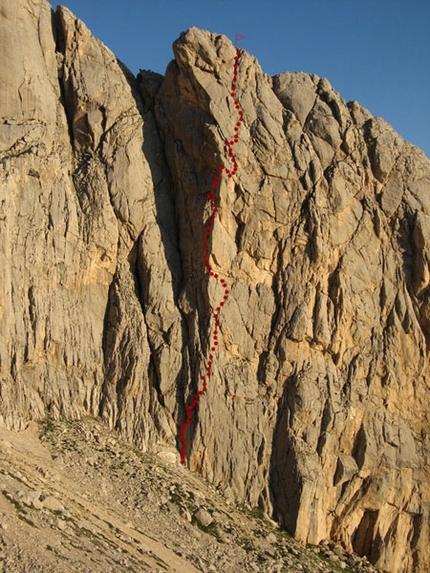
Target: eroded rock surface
{"points": [[320, 406], [318, 410]]}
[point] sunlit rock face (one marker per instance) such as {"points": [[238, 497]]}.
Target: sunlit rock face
{"points": [[318, 406]]}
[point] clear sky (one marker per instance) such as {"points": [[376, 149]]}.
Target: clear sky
{"points": [[373, 51]]}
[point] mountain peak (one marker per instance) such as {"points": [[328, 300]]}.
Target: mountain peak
{"points": [[316, 410]]}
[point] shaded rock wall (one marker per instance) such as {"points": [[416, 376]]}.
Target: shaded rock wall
{"points": [[318, 410]]}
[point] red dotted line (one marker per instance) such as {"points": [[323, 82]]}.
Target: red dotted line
{"points": [[208, 229]]}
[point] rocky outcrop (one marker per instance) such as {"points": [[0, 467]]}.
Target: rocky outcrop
{"points": [[80, 165], [318, 408], [319, 412]]}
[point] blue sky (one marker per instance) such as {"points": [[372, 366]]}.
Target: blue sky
{"points": [[373, 51]]}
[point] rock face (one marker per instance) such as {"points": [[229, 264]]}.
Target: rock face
{"points": [[318, 410], [78, 219]]}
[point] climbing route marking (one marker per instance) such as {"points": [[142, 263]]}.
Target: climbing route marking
{"points": [[208, 228]]}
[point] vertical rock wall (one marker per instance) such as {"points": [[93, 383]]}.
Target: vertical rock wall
{"points": [[318, 408], [55, 274], [87, 301]]}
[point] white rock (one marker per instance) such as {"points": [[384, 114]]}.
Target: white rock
{"points": [[168, 457], [52, 504], [203, 517], [271, 538]]}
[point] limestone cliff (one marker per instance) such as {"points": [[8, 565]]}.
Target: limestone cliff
{"points": [[318, 409]]}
